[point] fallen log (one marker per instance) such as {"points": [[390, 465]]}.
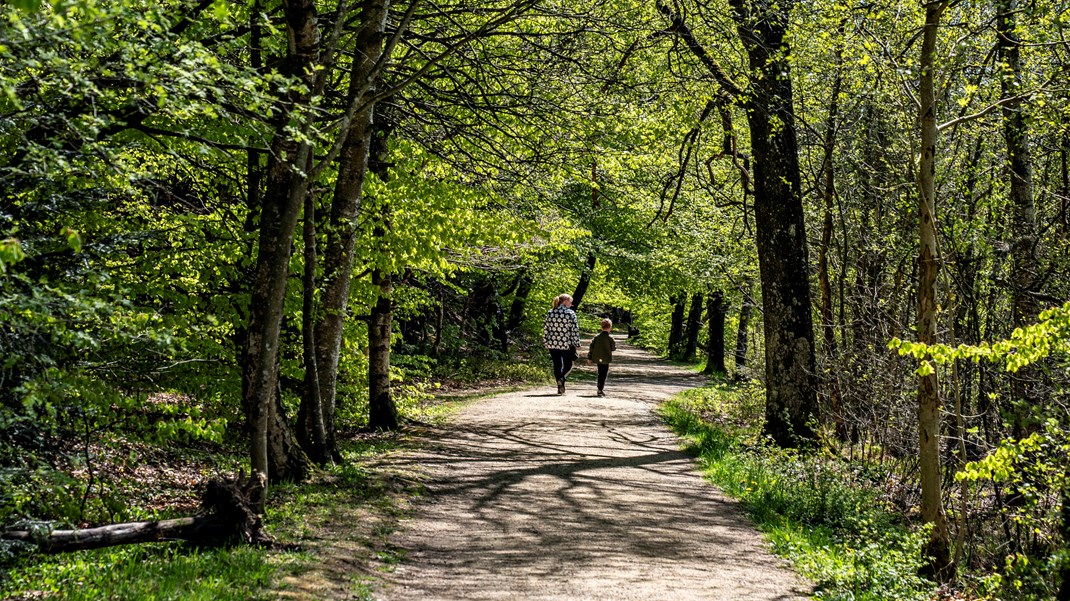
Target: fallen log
{"points": [[226, 517]]}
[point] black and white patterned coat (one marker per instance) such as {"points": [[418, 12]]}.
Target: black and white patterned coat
{"points": [[560, 330]]}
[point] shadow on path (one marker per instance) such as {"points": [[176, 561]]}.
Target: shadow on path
{"points": [[537, 496]]}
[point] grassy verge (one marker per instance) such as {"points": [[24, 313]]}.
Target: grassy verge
{"points": [[823, 514], [339, 521], [157, 571]]}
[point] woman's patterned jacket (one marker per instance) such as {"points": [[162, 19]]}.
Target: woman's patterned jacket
{"points": [[561, 330]]}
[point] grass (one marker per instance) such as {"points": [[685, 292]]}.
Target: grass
{"points": [[156, 571], [339, 519], [823, 514]]}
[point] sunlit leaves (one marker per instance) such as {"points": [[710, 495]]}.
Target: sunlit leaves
{"points": [[1050, 335], [10, 253]]}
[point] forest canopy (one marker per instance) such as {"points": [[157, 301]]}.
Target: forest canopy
{"points": [[265, 226]]}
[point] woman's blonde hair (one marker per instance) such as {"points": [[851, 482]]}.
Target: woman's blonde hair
{"points": [[560, 298]]}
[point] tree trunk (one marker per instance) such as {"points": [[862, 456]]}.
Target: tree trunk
{"points": [[287, 460], [486, 317], [828, 325], [282, 202], [382, 413], [342, 223], [932, 510], [791, 391], [520, 300], [312, 430], [229, 515], [676, 330], [745, 308], [440, 314], [694, 325], [585, 280], [1023, 222], [1064, 196], [715, 313]]}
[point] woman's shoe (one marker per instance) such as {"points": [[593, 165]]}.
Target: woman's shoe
{"points": [[560, 387]]}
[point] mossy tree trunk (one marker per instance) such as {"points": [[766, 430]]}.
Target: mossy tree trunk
{"points": [[791, 389]]}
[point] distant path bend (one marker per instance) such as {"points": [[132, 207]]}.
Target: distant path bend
{"points": [[538, 496]]}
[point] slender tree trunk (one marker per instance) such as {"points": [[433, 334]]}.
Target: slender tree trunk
{"points": [[484, 316], [791, 389], [587, 271], [932, 508], [1064, 530], [1064, 196], [520, 300], [828, 322], [1023, 222], [715, 313], [746, 306], [282, 201], [312, 431], [382, 413], [694, 325], [440, 313], [341, 227], [585, 280], [676, 330]]}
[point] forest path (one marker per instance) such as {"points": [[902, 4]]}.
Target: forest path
{"points": [[537, 496]]}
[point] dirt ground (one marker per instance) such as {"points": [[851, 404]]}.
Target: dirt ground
{"points": [[537, 496]]}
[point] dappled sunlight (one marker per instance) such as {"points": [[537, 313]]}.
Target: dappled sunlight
{"points": [[534, 495]]}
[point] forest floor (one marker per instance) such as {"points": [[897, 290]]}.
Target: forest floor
{"points": [[531, 495]]}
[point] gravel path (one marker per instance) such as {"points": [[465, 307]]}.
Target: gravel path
{"points": [[537, 496]]}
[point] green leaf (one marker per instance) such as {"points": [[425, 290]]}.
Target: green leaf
{"points": [[26, 5], [74, 239]]}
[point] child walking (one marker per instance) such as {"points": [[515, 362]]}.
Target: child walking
{"points": [[601, 353]]}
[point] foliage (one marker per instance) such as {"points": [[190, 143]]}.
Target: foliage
{"points": [[1026, 345]]}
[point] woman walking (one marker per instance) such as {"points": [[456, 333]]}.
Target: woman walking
{"points": [[561, 336]]}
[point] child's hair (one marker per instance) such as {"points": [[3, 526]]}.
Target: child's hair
{"points": [[607, 324], [560, 298]]}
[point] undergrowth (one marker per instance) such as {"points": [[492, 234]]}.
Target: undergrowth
{"points": [[351, 500], [822, 513]]}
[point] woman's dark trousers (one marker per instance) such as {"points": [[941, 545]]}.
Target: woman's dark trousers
{"points": [[562, 363]]}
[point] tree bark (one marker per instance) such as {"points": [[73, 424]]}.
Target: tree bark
{"points": [[1064, 530], [694, 324], [1064, 196], [1024, 274], [586, 272], [520, 300], [676, 330], [828, 326], [715, 313], [746, 306], [282, 201], [341, 227], [382, 413], [312, 430], [229, 516], [791, 390], [937, 549]]}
